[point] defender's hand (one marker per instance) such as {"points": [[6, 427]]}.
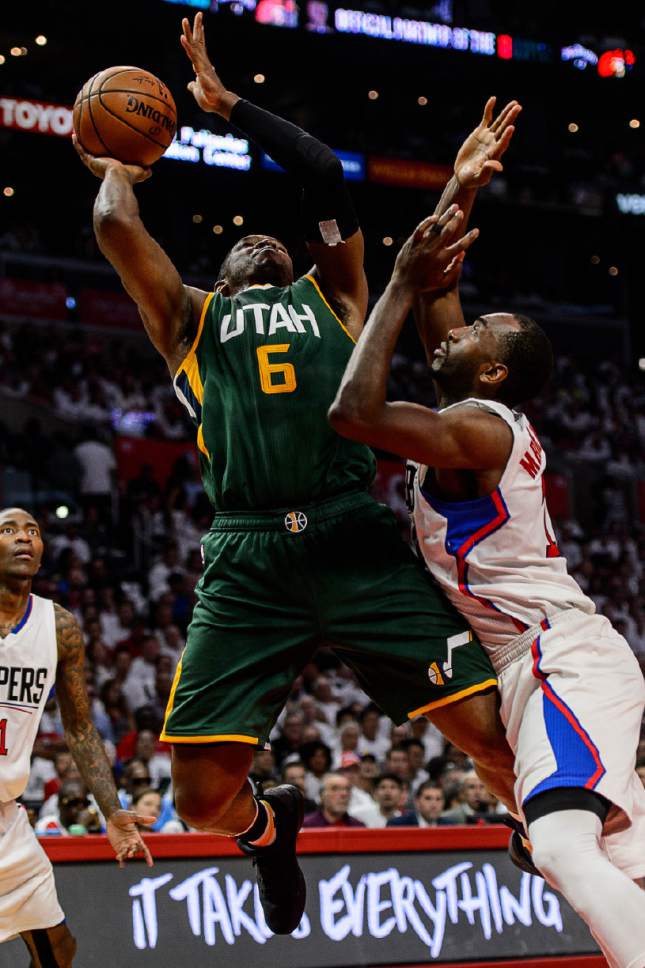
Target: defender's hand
{"points": [[125, 838], [432, 256], [478, 157], [207, 89], [101, 166]]}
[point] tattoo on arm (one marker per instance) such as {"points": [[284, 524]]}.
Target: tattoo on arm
{"points": [[83, 740]]}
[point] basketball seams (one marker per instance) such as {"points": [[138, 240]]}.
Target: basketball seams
{"points": [[89, 111], [98, 117], [126, 90], [117, 117]]}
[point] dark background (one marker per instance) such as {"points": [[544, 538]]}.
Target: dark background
{"points": [[538, 233]]}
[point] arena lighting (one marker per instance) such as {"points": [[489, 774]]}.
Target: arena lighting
{"points": [[581, 57], [16, 51], [641, 363], [634, 123], [41, 40], [388, 240], [259, 78], [613, 271], [595, 260], [384, 27], [2, 58], [70, 302], [616, 63], [372, 95], [422, 101], [197, 219], [8, 192], [573, 127], [223, 151], [238, 220], [62, 512], [218, 229]]}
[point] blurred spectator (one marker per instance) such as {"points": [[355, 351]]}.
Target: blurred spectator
{"points": [[387, 795], [294, 773], [316, 757], [335, 792], [71, 810], [474, 801], [98, 465], [429, 804], [291, 737]]}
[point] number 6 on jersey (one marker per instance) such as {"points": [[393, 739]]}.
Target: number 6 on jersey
{"points": [[268, 371]]}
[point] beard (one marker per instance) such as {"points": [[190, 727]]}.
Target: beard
{"points": [[271, 271]]}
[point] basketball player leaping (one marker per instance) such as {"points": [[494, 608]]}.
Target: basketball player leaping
{"points": [[42, 647], [299, 554], [571, 689]]}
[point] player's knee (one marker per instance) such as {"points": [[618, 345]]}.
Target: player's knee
{"points": [[201, 805], [556, 857], [65, 949]]}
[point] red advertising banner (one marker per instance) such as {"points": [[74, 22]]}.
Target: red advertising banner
{"points": [[105, 308], [22, 297], [406, 173], [133, 452], [38, 116]]}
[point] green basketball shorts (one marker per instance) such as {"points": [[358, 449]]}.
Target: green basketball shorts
{"points": [[278, 585]]}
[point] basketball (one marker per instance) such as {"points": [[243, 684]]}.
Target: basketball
{"points": [[125, 113]]}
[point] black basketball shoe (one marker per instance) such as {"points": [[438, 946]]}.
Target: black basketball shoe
{"points": [[282, 886], [517, 849]]}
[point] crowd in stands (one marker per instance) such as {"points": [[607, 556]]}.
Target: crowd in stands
{"points": [[354, 766]]}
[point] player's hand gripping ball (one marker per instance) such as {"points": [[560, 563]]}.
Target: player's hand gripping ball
{"points": [[125, 113]]}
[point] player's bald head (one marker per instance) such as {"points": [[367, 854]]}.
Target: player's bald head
{"points": [[21, 545], [17, 515]]}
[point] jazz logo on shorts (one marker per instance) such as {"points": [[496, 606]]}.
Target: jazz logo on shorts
{"points": [[295, 521], [436, 675]]}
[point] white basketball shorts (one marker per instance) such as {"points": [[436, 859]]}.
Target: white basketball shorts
{"points": [[28, 898], [573, 708]]}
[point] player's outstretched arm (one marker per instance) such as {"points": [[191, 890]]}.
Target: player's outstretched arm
{"points": [[477, 161], [331, 226], [170, 311], [463, 437], [85, 744]]}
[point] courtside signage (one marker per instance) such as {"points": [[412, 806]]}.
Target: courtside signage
{"points": [[362, 909]]}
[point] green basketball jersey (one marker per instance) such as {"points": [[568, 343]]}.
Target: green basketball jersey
{"points": [[258, 381]]}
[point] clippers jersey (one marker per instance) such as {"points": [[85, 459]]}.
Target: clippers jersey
{"points": [[28, 659], [258, 381], [495, 557]]}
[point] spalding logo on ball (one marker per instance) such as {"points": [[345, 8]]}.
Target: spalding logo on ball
{"points": [[125, 113]]}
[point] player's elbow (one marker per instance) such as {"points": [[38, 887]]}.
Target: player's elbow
{"points": [[349, 416], [110, 221]]}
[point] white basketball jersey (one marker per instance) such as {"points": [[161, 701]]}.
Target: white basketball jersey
{"points": [[28, 658], [495, 557]]}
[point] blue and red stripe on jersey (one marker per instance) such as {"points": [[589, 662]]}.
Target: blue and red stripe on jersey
{"points": [[578, 762], [467, 524]]}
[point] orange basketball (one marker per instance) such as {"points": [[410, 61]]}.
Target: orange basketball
{"points": [[125, 113]]}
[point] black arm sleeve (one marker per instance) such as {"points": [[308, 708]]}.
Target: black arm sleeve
{"points": [[326, 201]]}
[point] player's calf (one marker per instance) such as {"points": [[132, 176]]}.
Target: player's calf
{"points": [[51, 947], [212, 792]]}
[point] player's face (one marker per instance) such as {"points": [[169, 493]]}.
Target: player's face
{"points": [[457, 361], [21, 545], [259, 259]]}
